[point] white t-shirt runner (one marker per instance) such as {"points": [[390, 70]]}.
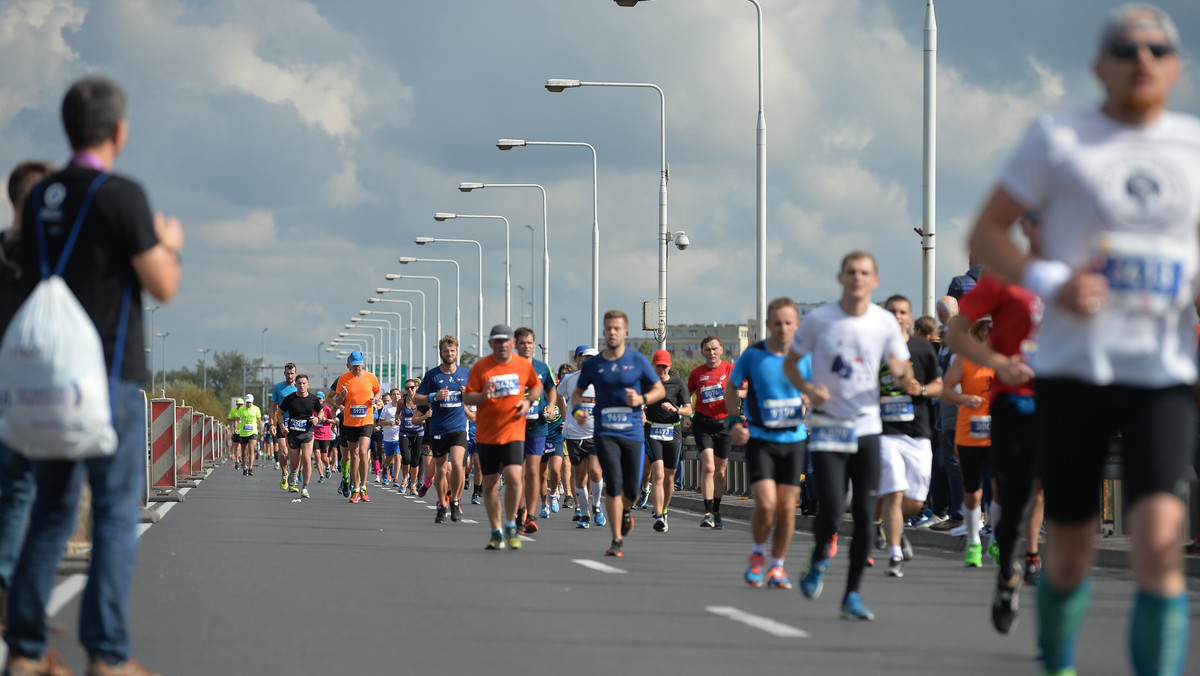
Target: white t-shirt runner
{"points": [[846, 354], [1129, 198], [386, 415], [572, 429]]}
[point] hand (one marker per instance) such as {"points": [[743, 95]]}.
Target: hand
{"points": [[972, 401], [344, 391], [912, 387], [819, 394], [443, 394], [169, 232], [739, 434], [1015, 371], [631, 396], [669, 407], [522, 408], [1084, 293], [489, 389], [581, 416]]}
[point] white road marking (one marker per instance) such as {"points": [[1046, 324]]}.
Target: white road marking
{"points": [[184, 491], [596, 565], [431, 506], [526, 538], [758, 622], [419, 502], [163, 507]]}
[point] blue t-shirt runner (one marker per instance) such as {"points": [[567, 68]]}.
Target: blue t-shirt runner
{"points": [[448, 415], [772, 407], [614, 417]]}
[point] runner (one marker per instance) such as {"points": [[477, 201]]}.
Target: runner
{"points": [[323, 440], [303, 410], [847, 340], [707, 384], [389, 418], [906, 447], [502, 386], [774, 436], [568, 478], [536, 428], [412, 428], [551, 473], [358, 393], [240, 461], [624, 382], [1117, 186], [278, 423], [581, 451], [664, 444], [249, 424], [441, 389]]}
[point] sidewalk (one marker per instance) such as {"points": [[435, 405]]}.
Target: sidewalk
{"points": [[1111, 552]]}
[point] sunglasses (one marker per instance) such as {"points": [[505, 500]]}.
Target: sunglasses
{"points": [[1128, 51]]}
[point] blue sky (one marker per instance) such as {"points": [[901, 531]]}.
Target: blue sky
{"points": [[304, 144]]}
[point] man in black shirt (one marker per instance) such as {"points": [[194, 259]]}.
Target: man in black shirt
{"points": [[663, 441], [302, 410], [122, 249]]}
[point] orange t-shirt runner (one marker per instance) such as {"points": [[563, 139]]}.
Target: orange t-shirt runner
{"points": [[971, 422], [360, 393], [495, 421]]}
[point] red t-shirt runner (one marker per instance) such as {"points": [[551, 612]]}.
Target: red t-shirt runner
{"points": [[708, 384], [1016, 314]]}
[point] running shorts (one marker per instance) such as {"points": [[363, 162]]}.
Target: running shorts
{"points": [[779, 461], [494, 457], [905, 465]]}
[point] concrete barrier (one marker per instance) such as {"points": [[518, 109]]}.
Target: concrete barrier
{"points": [[162, 451], [196, 466], [183, 447]]}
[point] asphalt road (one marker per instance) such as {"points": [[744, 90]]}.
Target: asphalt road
{"points": [[239, 579]]}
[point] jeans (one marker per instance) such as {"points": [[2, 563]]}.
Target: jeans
{"points": [[947, 489], [16, 492], [118, 483]]}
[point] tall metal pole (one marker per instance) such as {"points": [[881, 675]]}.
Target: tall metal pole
{"points": [[760, 288], [929, 164], [532, 268]]}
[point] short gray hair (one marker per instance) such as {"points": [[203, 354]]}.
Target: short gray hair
{"points": [[946, 307], [1118, 23]]}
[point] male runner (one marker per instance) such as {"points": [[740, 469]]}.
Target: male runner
{"points": [[358, 393], [276, 422], [664, 443], [249, 423], [302, 410], [707, 384], [441, 389], [847, 340], [1116, 190], [502, 386], [774, 436], [235, 422], [581, 450], [536, 428], [906, 447], [624, 382]]}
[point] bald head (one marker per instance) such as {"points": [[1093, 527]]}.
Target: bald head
{"points": [[947, 308]]}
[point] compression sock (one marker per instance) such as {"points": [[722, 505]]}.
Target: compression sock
{"points": [[896, 552], [716, 505], [581, 497], [708, 506], [759, 548], [1158, 634], [971, 517], [346, 469], [596, 493], [1059, 616]]}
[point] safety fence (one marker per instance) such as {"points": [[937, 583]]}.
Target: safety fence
{"points": [[181, 444]]}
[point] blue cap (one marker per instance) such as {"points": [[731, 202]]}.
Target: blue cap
{"points": [[581, 349], [356, 358], [320, 395]]}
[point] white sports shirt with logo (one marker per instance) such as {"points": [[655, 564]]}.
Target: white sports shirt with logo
{"points": [[846, 354], [1125, 199]]}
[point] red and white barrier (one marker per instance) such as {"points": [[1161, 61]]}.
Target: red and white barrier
{"points": [[197, 446], [162, 444]]}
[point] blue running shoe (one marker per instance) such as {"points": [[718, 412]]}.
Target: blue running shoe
{"points": [[554, 506], [584, 521], [814, 578], [754, 571], [853, 608], [598, 516], [545, 511]]}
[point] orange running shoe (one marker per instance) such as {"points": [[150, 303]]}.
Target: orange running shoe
{"points": [[363, 494], [754, 572], [354, 496]]}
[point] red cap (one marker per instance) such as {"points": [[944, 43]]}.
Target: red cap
{"points": [[662, 357]]}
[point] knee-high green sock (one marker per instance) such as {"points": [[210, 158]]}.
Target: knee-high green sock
{"points": [[1059, 616], [346, 469], [1158, 634]]}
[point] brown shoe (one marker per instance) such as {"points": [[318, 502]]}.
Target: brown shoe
{"points": [[946, 525], [126, 668], [50, 665]]}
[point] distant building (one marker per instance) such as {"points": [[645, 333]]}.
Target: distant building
{"points": [[804, 308], [683, 340]]}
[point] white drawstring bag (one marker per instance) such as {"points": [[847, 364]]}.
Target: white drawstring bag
{"points": [[55, 393]]}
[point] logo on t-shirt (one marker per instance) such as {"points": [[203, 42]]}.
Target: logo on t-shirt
{"points": [[1142, 192]]}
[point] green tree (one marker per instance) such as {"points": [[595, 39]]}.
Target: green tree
{"points": [[467, 359]]}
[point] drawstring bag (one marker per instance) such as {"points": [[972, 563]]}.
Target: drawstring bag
{"points": [[56, 398]]}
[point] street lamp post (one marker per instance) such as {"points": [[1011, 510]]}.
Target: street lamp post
{"points": [[437, 300], [468, 187], [164, 359], [567, 337], [411, 327], [558, 85], [532, 269], [424, 319], [370, 343], [399, 328], [405, 260], [204, 368], [387, 324], [430, 240], [152, 310], [443, 216], [377, 354], [319, 352], [507, 144]]}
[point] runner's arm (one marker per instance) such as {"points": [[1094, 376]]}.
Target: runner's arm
{"points": [[1012, 370]]}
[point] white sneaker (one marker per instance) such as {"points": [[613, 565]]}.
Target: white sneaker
{"points": [[376, 478], [931, 522]]}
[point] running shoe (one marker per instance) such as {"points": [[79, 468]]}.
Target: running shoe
{"points": [[584, 522], [283, 484], [520, 516], [974, 556], [362, 492], [598, 516], [947, 525], [660, 523], [497, 541], [251, 471], [707, 521], [441, 514], [643, 498], [245, 472], [544, 513], [813, 580], [475, 499], [1033, 568], [554, 504], [777, 579], [578, 514], [626, 523], [986, 530], [353, 496], [342, 487], [377, 477], [328, 472], [423, 489], [853, 608], [294, 488], [880, 536], [833, 546], [896, 566], [568, 501], [455, 512], [994, 551], [932, 521], [614, 549], [1004, 608], [531, 526], [387, 481], [512, 538], [276, 465], [718, 524], [320, 478], [906, 549], [754, 571], [304, 492]]}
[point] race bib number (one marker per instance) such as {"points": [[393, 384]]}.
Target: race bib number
{"points": [[981, 427], [452, 401], [711, 394], [248, 427], [588, 407], [1144, 273], [898, 408], [505, 385], [834, 435], [617, 418], [782, 413], [297, 425], [662, 432], [358, 411], [534, 408], [406, 421]]}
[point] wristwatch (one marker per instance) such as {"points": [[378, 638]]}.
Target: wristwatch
{"points": [[922, 390]]}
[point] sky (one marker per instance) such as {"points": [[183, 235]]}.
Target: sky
{"points": [[303, 145]]}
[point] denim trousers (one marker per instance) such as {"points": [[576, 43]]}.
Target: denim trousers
{"points": [[118, 483], [16, 494]]}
